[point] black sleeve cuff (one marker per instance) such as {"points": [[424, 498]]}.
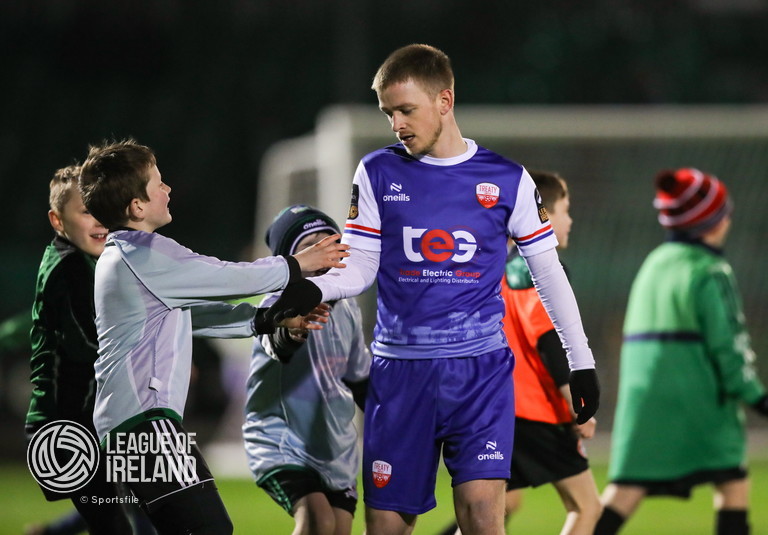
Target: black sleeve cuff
{"points": [[261, 323], [294, 269]]}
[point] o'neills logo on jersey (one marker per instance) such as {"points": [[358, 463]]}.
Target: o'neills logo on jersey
{"points": [[382, 472], [398, 195], [487, 194]]}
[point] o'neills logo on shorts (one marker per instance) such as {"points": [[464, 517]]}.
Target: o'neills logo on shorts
{"points": [[382, 472]]}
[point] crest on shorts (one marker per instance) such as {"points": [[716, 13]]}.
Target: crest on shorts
{"points": [[382, 472], [487, 194]]}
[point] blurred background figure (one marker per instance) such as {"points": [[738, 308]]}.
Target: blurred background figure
{"points": [[686, 365]]}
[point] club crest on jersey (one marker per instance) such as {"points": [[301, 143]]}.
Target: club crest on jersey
{"points": [[543, 215], [487, 194], [382, 472]]}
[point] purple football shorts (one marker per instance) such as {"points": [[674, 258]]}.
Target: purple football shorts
{"points": [[416, 408]]}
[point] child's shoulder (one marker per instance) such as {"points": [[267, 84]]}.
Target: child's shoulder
{"points": [[64, 267]]}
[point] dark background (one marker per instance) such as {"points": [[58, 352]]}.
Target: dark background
{"points": [[211, 85]]}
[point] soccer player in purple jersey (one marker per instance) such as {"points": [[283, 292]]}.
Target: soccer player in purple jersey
{"points": [[429, 221]]}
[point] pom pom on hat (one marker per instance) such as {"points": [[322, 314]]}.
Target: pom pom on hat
{"points": [[294, 223], [690, 201]]}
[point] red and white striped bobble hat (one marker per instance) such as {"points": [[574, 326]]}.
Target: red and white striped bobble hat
{"points": [[690, 201]]}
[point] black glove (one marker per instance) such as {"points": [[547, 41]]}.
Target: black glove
{"points": [[761, 405], [283, 346], [298, 299], [584, 389]]}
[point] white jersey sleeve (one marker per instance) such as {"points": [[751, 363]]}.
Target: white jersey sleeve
{"points": [[353, 280], [362, 232], [363, 227], [557, 297], [529, 226]]}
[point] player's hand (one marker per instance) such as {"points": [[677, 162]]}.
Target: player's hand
{"points": [[298, 299], [299, 326], [585, 394], [325, 254], [587, 429], [761, 405]]}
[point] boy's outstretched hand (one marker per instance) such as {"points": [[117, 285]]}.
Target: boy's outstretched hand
{"points": [[299, 326], [325, 254], [585, 394]]}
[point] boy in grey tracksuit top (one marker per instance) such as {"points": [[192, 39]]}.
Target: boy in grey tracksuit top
{"points": [[151, 294]]}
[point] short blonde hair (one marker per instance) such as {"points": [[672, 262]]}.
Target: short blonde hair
{"points": [[61, 185], [424, 64]]}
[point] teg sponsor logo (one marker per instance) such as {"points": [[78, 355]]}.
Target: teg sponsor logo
{"points": [[63, 456], [437, 245], [151, 457]]}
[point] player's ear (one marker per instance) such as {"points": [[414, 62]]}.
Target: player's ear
{"points": [[135, 210], [55, 220], [445, 100]]}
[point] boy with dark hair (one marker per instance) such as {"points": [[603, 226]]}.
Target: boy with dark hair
{"points": [[687, 365], [151, 296], [299, 429], [64, 344]]}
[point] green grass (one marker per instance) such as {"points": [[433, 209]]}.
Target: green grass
{"points": [[254, 513]]}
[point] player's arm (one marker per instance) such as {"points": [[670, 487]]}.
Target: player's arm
{"points": [[223, 320], [552, 355], [727, 340], [357, 277], [560, 303], [362, 232]]}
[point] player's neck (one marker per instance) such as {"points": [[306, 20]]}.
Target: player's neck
{"points": [[450, 143]]}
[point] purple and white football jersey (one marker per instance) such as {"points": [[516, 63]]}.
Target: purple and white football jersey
{"points": [[441, 227]]}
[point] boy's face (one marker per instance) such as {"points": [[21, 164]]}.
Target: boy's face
{"points": [[414, 116], [154, 212], [77, 225], [561, 220]]}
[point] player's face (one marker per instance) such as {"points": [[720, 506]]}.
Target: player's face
{"points": [[561, 220], [308, 241], [156, 212], [414, 116], [77, 225], [719, 234]]}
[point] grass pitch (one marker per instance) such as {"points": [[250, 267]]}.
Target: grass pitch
{"points": [[253, 513]]}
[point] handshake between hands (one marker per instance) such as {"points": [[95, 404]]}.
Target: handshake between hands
{"points": [[299, 308]]}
